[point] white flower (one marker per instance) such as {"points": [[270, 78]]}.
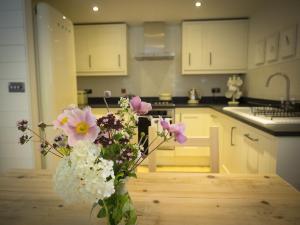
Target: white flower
{"points": [[124, 103], [84, 176]]}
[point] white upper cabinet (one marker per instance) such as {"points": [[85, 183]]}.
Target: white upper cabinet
{"points": [[101, 50], [214, 47]]}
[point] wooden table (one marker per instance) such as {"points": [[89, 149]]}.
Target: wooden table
{"points": [[27, 198]]}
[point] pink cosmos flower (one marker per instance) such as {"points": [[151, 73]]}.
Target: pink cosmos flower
{"points": [[139, 106], [165, 124], [81, 126], [176, 129], [62, 121]]}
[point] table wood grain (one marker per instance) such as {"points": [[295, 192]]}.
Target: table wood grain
{"points": [[27, 198]]}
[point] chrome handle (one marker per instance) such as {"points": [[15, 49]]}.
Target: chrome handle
{"points": [[119, 60], [189, 58], [90, 61], [210, 58], [191, 117], [251, 138], [231, 136]]}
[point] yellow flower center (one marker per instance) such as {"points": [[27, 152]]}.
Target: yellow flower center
{"points": [[82, 128], [64, 121]]}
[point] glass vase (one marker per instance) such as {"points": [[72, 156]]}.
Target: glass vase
{"points": [[118, 209]]}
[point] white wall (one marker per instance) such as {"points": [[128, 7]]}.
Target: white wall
{"points": [[14, 67], [149, 78], [269, 20]]}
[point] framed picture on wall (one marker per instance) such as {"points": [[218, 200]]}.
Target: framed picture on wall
{"points": [[288, 42], [272, 48], [260, 52]]}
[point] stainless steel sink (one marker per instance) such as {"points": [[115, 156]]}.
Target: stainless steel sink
{"points": [[246, 112]]}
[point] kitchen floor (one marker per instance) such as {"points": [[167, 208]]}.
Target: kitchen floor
{"points": [[189, 169]]}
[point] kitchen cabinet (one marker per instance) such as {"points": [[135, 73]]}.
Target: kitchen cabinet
{"points": [[101, 50], [246, 150], [213, 47]]}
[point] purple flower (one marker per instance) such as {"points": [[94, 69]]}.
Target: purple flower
{"points": [[139, 106], [81, 126], [22, 125]]}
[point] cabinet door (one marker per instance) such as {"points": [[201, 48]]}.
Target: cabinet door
{"points": [[261, 153], [212, 47], [227, 44], [233, 156], [107, 46], [82, 52], [101, 49], [193, 36]]}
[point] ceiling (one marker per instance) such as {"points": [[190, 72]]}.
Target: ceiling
{"points": [[138, 11]]}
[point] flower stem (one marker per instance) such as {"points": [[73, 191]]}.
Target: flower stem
{"points": [[149, 153], [47, 142]]}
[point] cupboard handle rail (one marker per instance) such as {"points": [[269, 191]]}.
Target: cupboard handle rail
{"points": [[90, 61], [251, 138], [189, 58], [119, 60], [231, 136], [190, 117]]}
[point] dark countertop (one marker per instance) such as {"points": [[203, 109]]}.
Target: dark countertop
{"points": [[280, 130]]}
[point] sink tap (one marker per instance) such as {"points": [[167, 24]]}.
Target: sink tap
{"points": [[287, 79]]}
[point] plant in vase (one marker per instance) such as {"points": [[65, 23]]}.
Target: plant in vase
{"points": [[234, 83], [98, 156]]}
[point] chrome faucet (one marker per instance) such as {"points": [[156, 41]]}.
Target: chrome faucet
{"points": [[288, 84], [287, 79]]}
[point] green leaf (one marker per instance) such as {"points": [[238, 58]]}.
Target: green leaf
{"points": [[101, 213]]}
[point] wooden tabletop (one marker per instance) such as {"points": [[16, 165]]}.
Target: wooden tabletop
{"points": [[27, 198]]}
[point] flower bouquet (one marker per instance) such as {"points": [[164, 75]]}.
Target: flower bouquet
{"points": [[98, 156]]}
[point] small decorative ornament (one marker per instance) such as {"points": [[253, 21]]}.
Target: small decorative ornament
{"points": [[98, 156], [234, 83]]}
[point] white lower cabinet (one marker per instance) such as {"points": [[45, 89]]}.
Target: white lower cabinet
{"points": [[260, 152], [246, 149]]}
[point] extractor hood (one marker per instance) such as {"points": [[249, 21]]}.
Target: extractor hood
{"points": [[154, 43]]}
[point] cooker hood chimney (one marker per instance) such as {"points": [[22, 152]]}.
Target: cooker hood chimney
{"points": [[155, 43]]}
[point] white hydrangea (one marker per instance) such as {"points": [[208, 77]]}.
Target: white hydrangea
{"points": [[78, 178]]}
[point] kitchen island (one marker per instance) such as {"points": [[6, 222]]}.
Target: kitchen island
{"points": [[27, 198]]}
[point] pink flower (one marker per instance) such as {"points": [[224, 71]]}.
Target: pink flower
{"points": [[81, 126], [62, 120], [139, 106], [165, 124], [178, 131]]}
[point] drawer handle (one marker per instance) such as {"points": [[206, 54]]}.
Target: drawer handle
{"points": [[213, 116], [210, 58], [90, 61], [251, 138], [189, 58], [119, 60], [190, 117], [231, 136]]}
